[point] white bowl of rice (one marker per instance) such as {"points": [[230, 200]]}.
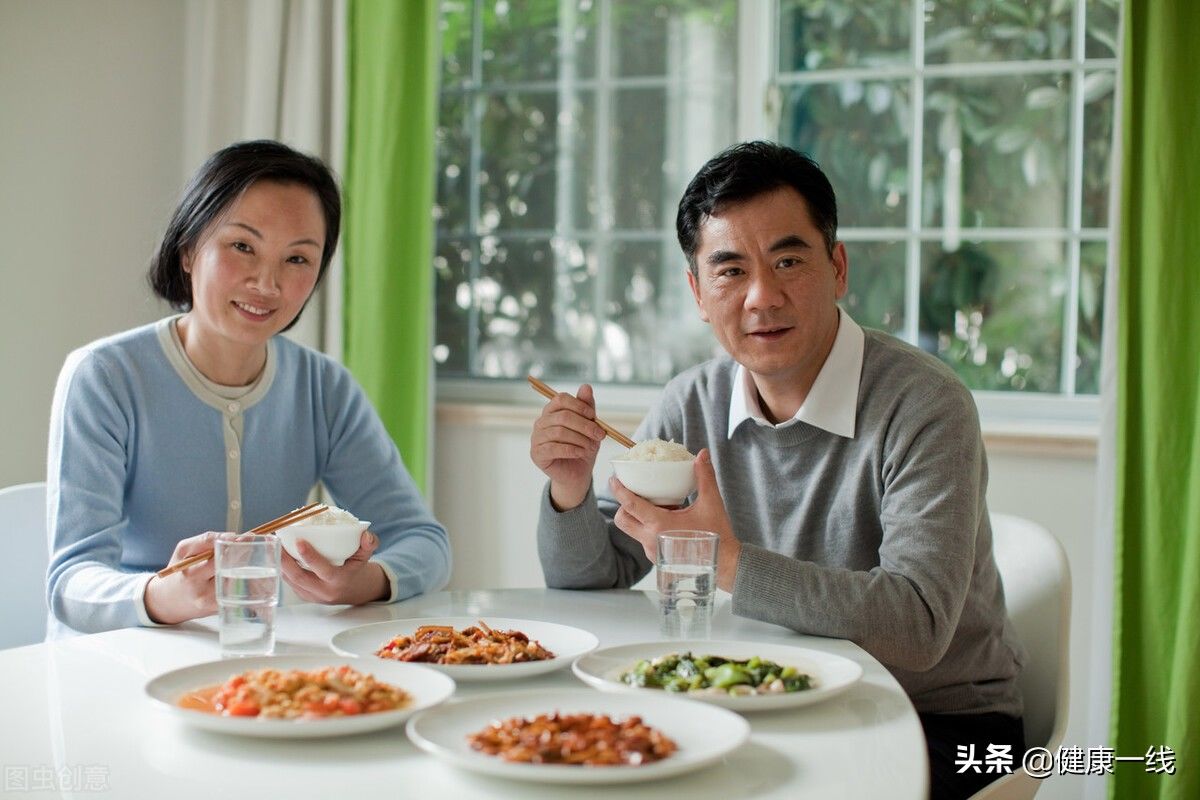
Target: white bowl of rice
{"points": [[334, 533], [659, 471]]}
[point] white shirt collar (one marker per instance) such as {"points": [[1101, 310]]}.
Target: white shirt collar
{"points": [[832, 402]]}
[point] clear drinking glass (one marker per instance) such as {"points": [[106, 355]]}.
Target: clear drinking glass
{"points": [[247, 593], [687, 583]]}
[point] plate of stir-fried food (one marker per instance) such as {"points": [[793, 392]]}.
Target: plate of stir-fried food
{"points": [[470, 648], [578, 736], [743, 676], [298, 696]]}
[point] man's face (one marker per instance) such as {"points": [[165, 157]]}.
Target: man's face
{"points": [[768, 287]]}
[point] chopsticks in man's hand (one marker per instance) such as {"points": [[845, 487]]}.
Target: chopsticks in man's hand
{"points": [[549, 394]]}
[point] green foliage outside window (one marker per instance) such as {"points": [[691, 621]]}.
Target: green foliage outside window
{"points": [[569, 127]]}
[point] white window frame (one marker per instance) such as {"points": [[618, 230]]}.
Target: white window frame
{"points": [[758, 87]]}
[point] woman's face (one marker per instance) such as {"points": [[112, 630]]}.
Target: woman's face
{"points": [[254, 268]]}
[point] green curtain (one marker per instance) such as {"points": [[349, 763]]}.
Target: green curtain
{"points": [[389, 191], [1156, 681]]}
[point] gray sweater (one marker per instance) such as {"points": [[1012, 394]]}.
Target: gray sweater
{"points": [[882, 539]]}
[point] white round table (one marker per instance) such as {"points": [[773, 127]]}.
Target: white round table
{"points": [[76, 719]]}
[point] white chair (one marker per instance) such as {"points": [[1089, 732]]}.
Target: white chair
{"points": [[1037, 588], [23, 568]]}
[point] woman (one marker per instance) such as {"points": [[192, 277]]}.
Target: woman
{"points": [[209, 421]]}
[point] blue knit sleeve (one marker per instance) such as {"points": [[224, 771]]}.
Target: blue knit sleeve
{"points": [[365, 474], [85, 485]]}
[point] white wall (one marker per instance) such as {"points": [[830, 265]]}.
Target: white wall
{"points": [[90, 132]]}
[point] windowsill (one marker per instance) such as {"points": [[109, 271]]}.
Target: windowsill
{"points": [[1064, 440], [1060, 439]]}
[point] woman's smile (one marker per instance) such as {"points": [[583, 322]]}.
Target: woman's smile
{"points": [[253, 312]]}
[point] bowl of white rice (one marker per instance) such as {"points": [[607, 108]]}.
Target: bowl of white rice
{"points": [[334, 533], [659, 471]]}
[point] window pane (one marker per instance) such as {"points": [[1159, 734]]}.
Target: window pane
{"points": [[1097, 147], [453, 135], [653, 38], [653, 330], [996, 152], [576, 152], [959, 31], [536, 313], [863, 33], [875, 298], [1101, 22], [639, 189], [656, 134], [517, 179], [858, 132], [452, 302], [994, 312], [1093, 258], [455, 25], [521, 39]]}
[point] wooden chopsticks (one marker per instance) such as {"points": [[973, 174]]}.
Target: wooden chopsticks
{"points": [[310, 510], [549, 394]]}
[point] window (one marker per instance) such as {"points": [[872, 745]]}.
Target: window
{"points": [[969, 142]]}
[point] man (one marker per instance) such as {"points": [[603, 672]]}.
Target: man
{"points": [[843, 469]]}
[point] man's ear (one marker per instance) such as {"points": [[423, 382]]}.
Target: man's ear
{"points": [[694, 283], [841, 269]]}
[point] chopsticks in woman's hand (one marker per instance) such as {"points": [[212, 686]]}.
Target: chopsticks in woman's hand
{"points": [[282, 521], [549, 394]]}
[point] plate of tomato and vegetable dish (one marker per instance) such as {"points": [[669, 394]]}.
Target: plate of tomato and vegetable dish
{"points": [[742, 676], [298, 696], [470, 648]]}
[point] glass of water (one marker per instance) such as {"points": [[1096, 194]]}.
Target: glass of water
{"points": [[687, 583], [247, 593]]}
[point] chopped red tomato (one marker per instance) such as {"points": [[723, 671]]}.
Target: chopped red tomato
{"points": [[242, 708]]}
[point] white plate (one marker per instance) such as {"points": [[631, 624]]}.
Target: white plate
{"points": [[565, 642], [427, 687], [831, 674], [703, 733]]}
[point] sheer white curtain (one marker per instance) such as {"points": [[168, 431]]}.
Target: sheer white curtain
{"points": [[1100, 663], [271, 69]]}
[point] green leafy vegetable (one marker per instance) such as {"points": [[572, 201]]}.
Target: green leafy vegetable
{"points": [[686, 672]]}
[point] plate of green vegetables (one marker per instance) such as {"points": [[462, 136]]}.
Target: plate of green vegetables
{"points": [[742, 676]]}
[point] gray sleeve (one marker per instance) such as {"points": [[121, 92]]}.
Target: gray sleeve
{"points": [[582, 548], [904, 611]]}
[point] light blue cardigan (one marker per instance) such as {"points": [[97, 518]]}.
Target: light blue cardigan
{"points": [[143, 455]]}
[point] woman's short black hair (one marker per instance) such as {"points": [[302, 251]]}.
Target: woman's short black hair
{"points": [[216, 185], [747, 170]]}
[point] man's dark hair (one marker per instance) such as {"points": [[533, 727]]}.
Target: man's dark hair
{"points": [[216, 185], [748, 170]]}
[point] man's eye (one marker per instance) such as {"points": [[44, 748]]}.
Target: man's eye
{"points": [[788, 262], [730, 272]]}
